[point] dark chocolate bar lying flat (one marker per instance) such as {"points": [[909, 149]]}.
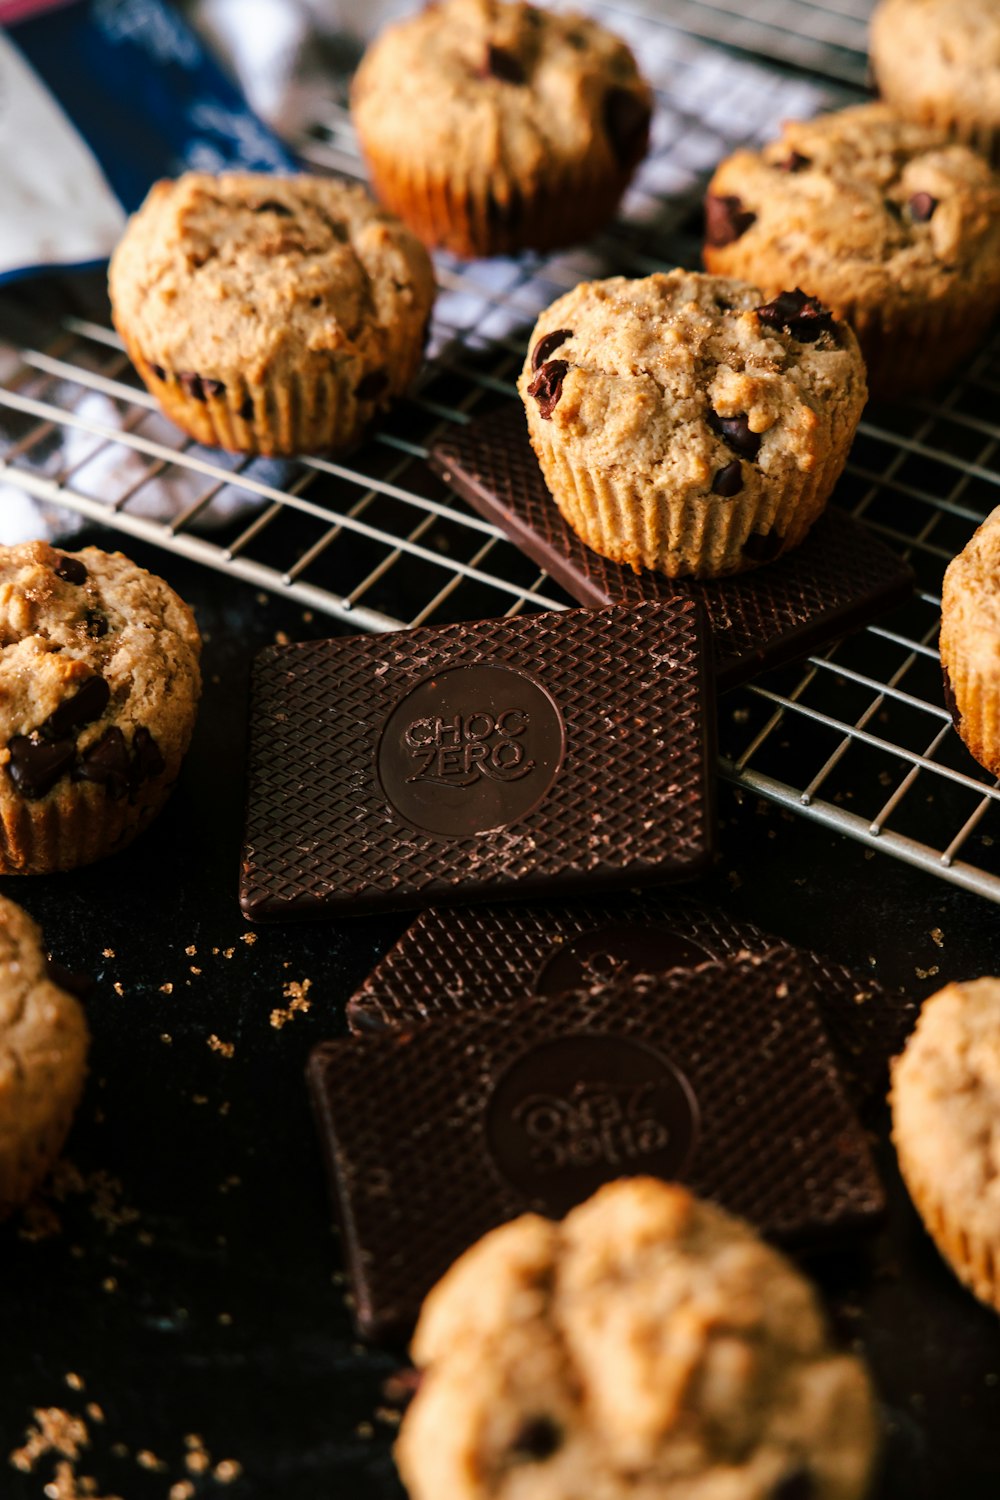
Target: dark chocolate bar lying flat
{"points": [[548, 754], [721, 1077], [451, 962], [840, 577]]}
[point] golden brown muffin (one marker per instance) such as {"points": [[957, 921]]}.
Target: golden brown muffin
{"points": [[684, 424], [970, 642], [648, 1346], [99, 687], [270, 314], [43, 1059], [888, 223], [946, 1128], [492, 126], [938, 62]]}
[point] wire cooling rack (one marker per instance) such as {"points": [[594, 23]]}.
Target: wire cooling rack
{"points": [[858, 738]]}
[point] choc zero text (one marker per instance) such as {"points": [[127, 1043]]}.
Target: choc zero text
{"points": [[460, 750]]}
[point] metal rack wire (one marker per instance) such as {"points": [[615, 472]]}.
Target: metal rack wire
{"points": [[858, 739]]}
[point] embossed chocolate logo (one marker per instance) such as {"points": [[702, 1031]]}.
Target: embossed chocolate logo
{"points": [[470, 750], [619, 950], [580, 1110]]}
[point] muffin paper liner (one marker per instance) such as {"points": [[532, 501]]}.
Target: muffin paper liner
{"points": [[977, 698], [483, 214], [974, 1259]]}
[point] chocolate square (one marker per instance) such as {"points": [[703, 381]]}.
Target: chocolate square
{"points": [[542, 755], [838, 579], [720, 1076], [451, 962]]}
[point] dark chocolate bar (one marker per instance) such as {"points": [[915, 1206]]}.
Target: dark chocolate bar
{"points": [[837, 580], [542, 755], [720, 1076], [450, 962]]}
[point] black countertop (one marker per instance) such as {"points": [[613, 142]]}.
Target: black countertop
{"points": [[182, 1275]]}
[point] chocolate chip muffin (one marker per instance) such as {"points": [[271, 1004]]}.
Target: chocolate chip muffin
{"points": [[647, 1346], [687, 424], [43, 1059], [970, 643], [946, 1128], [888, 223], [267, 314], [99, 687], [492, 126], [938, 62]]}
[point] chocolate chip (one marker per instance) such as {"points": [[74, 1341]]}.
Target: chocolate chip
{"points": [[246, 410], [922, 207], [71, 570], [371, 386], [191, 383], [87, 704], [950, 701], [725, 219], [735, 433], [547, 386], [147, 760], [795, 162], [796, 1485], [762, 548], [805, 318], [548, 344], [36, 765], [538, 1439], [213, 387], [272, 206], [499, 63], [626, 122], [96, 624], [728, 481], [159, 372], [106, 762]]}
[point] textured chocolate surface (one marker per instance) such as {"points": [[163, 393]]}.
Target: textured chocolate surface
{"points": [[548, 754], [721, 1076], [841, 576], [451, 962]]}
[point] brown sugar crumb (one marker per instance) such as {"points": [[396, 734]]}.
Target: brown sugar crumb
{"points": [[55, 1431], [217, 1045], [147, 1460], [195, 969], [118, 987], [928, 973], [74, 1381], [227, 1471], [108, 953], [166, 1038], [110, 1284], [228, 952], [296, 994], [182, 1490], [166, 989], [249, 938], [191, 950], [937, 936], [95, 1412], [68, 1486]]}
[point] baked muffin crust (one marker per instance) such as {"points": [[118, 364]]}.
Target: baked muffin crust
{"points": [[647, 1345], [43, 1053], [268, 312]]}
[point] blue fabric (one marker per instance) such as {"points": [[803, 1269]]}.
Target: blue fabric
{"points": [[144, 94]]}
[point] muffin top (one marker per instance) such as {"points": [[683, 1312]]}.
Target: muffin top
{"points": [[856, 206], [942, 51], [519, 87], [43, 1037], [970, 599], [690, 378], [98, 671], [648, 1344], [946, 1102], [247, 276]]}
